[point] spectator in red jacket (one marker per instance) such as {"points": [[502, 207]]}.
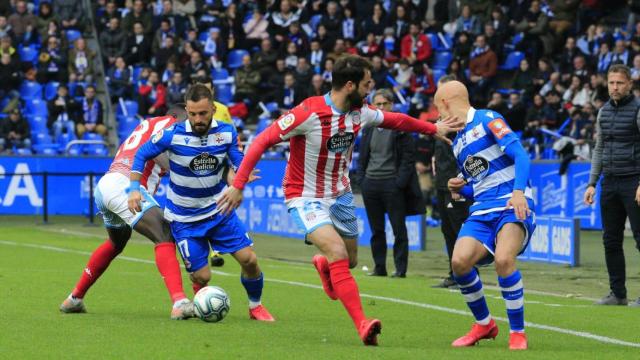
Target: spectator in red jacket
{"points": [[415, 46], [152, 99]]}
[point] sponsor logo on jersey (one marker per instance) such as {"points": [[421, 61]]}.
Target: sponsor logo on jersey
{"points": [[157, 136], [355, 117], [286, 121], [477, 167], [186, 140], [204, 164], [499, 128], [340, 142]]}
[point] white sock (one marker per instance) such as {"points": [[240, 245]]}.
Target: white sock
{"points": [[484, 321], [254, 304]]}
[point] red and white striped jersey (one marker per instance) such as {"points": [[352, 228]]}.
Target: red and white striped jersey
{"points": [[321, 141], [127, 152]]}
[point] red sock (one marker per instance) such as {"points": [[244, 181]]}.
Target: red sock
{"points": [[196, 287], [170, 270], [98, 263], [346, 289]]}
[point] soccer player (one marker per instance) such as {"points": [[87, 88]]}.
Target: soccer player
{"points": [[197, 150], [322, 130], [496, 169], [111, 199]]}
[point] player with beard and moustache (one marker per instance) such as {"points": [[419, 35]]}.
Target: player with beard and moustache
{"points": [[321, 131]]}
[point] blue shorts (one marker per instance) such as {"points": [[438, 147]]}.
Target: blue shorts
{"points": [[311, 213], [485, 228], [225, 234]]}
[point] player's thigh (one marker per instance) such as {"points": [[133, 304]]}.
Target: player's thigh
{"points": [[228, 235], [342, 213], [329, 242], [309, 214], [509, 241], [467, 252], [153, 226]]}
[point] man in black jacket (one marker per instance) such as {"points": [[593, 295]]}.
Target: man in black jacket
{"points": [[387, 175]]}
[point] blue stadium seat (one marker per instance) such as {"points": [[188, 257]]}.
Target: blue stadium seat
{"points": [[30, 90], [95, 150], [135, 73], [46, 149], [36, 107], [41, 138], [315, 21], [130, 108], [63, 139], [224, 93], [37, 123], [512, 61], [51, 90], [219, 74], [272, 107], [234, 60], [91, 136], [28, 54], [22, 151], [73, 35], [442, 59], [263, 123], [438, 73], [435, 42]]}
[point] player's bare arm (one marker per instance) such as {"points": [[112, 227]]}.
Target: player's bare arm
{"points": [[135, 197]]}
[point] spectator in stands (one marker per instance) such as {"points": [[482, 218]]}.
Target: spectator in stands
{"points": [[316, 55], [232, 22], [45, 15], [536, 113], [570, 51], [14, 132], [399, 21], [110, 11], [599, 86], [535, 26], [387, 176], [556, 114], [11, 77], [21, 19], [264, 60], [52, 62], [291, 55], [493, 40], [377, 22], [246, 80], [185, 11], [326, 42], [468, 22], [332, 20], [119, 80], [113, 42], [176, 88], [276, 77], [139, 13], [6, 47], [298, 37], [462, 49], [500, 24], [5, 28], [515, 113], [165, 31], [81, 62], [497, 103], [578, 93], [350, 29], [152, 96], [138, 46], [483, 66], [70, 14], [621, 54], [215, 48], [423, 86], [615, 157], [339, 49], [195, 64], [62, 112], [318, 86], [91, 116], [564, 16], [255, 30], [523, 79], [164, 55], [456, 70], [280, 20], [379, 73], [370, 46], [604, 58], [165, 13], [402, 75], [168, 72], [290, 95], [303, 72], [415, 46], [635, 70]]}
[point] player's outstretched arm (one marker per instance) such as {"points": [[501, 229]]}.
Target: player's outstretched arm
{"points": [[403, 122], [232, 197], [522, 165]]}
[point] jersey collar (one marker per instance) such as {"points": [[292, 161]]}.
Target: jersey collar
{"points": [[471, 114]]}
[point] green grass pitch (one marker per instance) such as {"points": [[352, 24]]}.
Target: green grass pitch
{"points": [[128, 308]]}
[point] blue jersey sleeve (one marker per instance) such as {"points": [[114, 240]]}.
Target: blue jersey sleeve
{"points": [[522, 163], [159, 143], [501, 132], [235, 155]]}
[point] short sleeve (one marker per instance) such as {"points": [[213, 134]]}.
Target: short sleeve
{"points": [[290, 123], [371, 117], [500, 131]]}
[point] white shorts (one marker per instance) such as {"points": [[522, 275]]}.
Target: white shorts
{"points": [[311, 213], [112, 196]]}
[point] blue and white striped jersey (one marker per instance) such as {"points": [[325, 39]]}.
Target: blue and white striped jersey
{"points": [[479, 150], [196, 167]]}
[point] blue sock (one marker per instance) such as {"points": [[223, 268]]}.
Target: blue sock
{"points": [[254, 288], [471, 288], [513, 294]]}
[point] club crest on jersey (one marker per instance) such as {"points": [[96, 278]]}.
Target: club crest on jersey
{"points": [[340, 142], [204, 164], [499, 128], [355, 117], [477, 167], [286, 121], [157, 136]]}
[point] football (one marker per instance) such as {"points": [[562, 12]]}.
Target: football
{"points": [[211, 304]]}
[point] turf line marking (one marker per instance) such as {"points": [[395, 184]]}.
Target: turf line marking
{"points": [[583, 334], [65, 231]]}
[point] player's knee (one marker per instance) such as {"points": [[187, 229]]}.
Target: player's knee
{"points": [[460, 265], [353, 263], [505, 265], [201, 277], [249, 262]]}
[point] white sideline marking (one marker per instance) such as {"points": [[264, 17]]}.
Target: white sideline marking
{"points": [[583, 334]]}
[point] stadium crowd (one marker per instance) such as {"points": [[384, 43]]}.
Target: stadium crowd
{"points": [[540, 63]]}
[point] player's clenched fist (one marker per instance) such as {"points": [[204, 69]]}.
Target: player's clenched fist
{"points": [[455, 184], [134, 201], [589, 195]]}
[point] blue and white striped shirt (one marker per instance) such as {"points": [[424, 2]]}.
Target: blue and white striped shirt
{"points": [[196, 165], [479, 150]]}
